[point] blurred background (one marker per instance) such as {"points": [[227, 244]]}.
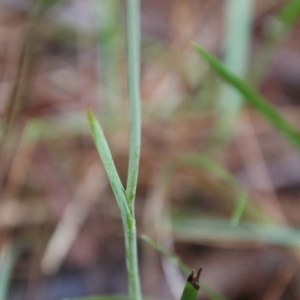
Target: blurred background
{"points": [[218, 187]]}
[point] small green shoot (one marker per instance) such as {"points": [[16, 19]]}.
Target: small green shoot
{"points": [[192, 286], [133, 57]]}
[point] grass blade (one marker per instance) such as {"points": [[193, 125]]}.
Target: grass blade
{"points": [[253, 98], [133, 56], [108, 163]]}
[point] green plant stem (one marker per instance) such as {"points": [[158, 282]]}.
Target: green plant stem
{"points": [[133, 60], [131, 259], [125, 198], [133, 52]]}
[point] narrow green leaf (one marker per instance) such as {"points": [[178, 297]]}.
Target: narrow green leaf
{"points": [[108, 163], [253, 98], [133, 56]]}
